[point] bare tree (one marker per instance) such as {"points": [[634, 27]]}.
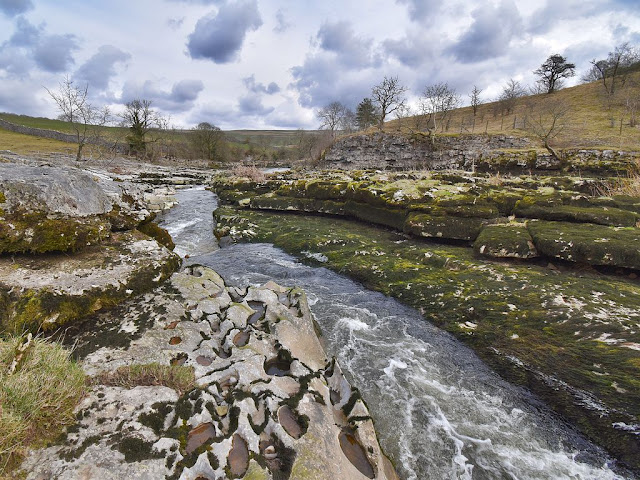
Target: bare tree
{"points": [[140, 118], [553, 70], [436, 102], [546, 120], [348, 121], [76, 110], [387, 97], [332, 116], [612, 71], [509, 97], [474, 97], [209, 141]]}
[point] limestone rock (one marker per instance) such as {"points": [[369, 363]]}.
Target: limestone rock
{"points": [[44, 209], [262, 410], [49, 291]]}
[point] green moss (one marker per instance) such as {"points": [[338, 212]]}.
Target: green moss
{"points": [[458, 228], [550, 208], [505, 241], [159, 234], [587, 243]]}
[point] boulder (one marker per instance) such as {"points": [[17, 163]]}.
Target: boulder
{"points": [[46, 209]]}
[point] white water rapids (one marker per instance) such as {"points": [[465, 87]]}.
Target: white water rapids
{"points": [[440, 412]]}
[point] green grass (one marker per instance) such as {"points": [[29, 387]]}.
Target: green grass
{"points": [[30, 145], [37, 400]]}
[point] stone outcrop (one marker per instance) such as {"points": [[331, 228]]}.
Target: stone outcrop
{"points": [[44, 209], [267, 402], [48, 291], [492, 153], [502, 218], [69, 245]]}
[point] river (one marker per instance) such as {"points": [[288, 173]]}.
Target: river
{"points": [[440, 412]]}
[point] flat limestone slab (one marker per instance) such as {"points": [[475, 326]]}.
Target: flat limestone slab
{"points": [[47, 291], [267, 403]]}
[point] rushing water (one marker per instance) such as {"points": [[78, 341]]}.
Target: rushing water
{"points": [[439, 411], [190, 224]]}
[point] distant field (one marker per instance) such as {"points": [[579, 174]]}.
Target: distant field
{"points": [[30, 145]]}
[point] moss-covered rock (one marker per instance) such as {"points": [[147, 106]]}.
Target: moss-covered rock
{"points": [[388, 217], [552, 208], [45, 292], [587, 243], [158, 233], [36, 233], [505, 241], [445, 227]]}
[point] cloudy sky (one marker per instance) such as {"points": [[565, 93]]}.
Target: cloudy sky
{"points": [[265, 64]]}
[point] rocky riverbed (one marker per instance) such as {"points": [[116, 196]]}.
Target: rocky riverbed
{"points": [[190, 378]]}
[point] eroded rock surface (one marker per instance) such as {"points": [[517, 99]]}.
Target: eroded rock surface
{"points": [[47, 291], [244, 419]]}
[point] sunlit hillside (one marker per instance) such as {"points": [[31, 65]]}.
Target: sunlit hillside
{"points": [[588, 121]]}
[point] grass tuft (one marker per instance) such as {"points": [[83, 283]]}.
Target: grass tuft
{"points": [[37, 400], [178, 377]]}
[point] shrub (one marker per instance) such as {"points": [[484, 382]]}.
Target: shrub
{"points": [[250, 172]]}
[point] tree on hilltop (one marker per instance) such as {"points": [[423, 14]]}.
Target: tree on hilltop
{"points": [[366, 114], [388, 96], [474, 97], [332, 116], [553, 70], [612, 71], [436, 103]]}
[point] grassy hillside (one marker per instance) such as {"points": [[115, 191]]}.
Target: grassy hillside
{"points": [[586, 123], [30, 145]]}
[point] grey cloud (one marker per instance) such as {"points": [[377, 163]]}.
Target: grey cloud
{"points": [[282, 25], [219, 36], [11, 8], [317, 83], [421, 9], [186, 90], [411, 51], [181, 98], [251, 105], [25, 34], [53, 52], [255, 87], [101, 67], [490, 33], [175, 23], [28, 44], [351, 50]]}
